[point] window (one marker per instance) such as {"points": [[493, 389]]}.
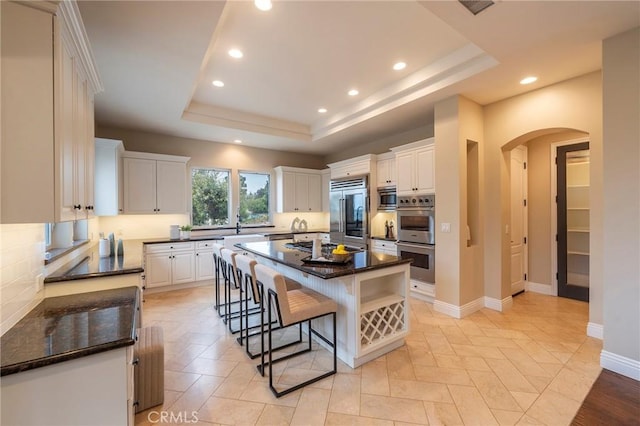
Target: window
{"points": [[210, 197], [254, 198]]}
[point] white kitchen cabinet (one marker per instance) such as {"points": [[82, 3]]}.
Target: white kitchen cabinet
{"points": [[358, 166], [154, 183], [167, 264], [93, 390], [205, 268], [108, 177], [48, 82], [415, 168], [386, 170], [298, 190], [384, 246], [326, 185]]}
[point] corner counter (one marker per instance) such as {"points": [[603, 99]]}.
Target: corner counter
{"points": [[70, 361]]}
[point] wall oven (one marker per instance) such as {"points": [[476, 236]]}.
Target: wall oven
{"points": [[423, 267], [416, 219], [416, 235]]}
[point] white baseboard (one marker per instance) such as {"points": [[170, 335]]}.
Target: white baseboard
{"points": [[620, 364], [539, 288], [497, 304], [458, 311], [595, 330]]}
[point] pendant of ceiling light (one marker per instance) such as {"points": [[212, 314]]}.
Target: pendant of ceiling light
{"points": [[263, 5]]}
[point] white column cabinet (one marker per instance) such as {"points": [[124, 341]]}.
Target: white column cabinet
{"points": [[154, 183], [415, 168], [205, 268], [298, 190], [48, 83]]}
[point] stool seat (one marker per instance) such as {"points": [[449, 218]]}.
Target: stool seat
{"points": [[305, 303]]}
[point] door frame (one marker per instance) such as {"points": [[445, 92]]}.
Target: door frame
{"points": [[554, 208]]}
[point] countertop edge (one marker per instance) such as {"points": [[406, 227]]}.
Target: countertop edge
{"points": [[61, 278], [67, 356]]}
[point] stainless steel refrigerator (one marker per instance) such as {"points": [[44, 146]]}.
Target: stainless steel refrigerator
{"points": [[349, 218]]}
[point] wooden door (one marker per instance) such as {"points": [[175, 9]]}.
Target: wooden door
{"points": [[573, 220], [518, 219]]}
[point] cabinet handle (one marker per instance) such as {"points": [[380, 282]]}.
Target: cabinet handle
{"points": [[77, 207], [136, 361]]}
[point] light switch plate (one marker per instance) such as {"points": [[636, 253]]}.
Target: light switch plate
{"points": [[445, 227], [39, 282]]}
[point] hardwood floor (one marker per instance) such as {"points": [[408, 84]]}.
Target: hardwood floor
{"points": [[613, 400]]}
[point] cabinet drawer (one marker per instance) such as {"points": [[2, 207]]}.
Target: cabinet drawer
{"points": [[157, 248], [207, 245]]}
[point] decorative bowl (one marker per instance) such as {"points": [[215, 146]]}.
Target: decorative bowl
{"points": [[341, 257]]}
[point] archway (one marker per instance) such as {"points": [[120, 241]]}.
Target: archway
{"points": [[540, 207]]}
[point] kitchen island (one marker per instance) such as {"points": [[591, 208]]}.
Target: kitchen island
{"points": [[371, 290]]}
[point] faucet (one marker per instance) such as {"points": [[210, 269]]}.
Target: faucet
{"points": [[238, 226]]}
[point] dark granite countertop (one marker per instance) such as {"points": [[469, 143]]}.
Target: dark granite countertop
{"points": [[361, 261], [69, 327], [92, 265]]}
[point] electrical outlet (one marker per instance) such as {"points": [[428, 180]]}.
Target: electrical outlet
{"points": [[119, 233], [39, 283], [445, 227]]}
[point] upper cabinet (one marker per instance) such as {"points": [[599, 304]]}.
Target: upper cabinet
{"points": [[48, 84], [415, 168], [154, 183], [386, 168], [298, 190], [358, 166], [108, 177]]}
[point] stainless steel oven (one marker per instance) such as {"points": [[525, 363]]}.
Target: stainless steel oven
{"points": [[423, 267], [416, 235], [416, 219]]}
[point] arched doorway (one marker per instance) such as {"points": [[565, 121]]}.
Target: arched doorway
{"points": [[537, 231]]}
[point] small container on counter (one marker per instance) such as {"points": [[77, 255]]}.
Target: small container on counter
{"points": [[103, 247]]}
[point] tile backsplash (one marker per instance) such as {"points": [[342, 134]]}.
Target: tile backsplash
{"points": [[21, 261]]}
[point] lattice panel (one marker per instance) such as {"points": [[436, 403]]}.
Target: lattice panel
{"points": [[379, 323]]}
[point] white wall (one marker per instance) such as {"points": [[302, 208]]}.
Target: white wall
{"points": [[621, 181], [21, 260]]}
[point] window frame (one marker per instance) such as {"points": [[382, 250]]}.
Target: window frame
{"points": [[271, 195], [230, 219]]}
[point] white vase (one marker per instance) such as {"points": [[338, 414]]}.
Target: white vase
{"points": [[185, 235]]}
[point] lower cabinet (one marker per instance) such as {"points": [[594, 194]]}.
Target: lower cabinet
{"points": [[205, 268], [385, 247], [92, 390], [166, 264], [181, 262]]}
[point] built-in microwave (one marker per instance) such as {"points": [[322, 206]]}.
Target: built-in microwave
{"points": [[387, 199]]}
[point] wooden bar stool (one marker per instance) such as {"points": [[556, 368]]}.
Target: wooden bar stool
{"points": [[294, 307], [250, 285]]}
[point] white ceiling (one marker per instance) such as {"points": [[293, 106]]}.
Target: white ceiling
{"points": [[157, 60]]}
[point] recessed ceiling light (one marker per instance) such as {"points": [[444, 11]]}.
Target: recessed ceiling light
{"points": [[322, 110], [237, 141], [353, 92], [263, 4], [236, 53], [217, 83], [399, 66], [528, 80]]}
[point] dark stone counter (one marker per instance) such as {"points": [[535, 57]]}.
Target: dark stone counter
{"points": [[92, 265], [70, 327], [361, 261]]}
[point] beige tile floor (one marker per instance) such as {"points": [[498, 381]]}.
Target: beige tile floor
{"points": [[531, 365]]}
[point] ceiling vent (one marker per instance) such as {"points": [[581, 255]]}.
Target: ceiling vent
{"points": [[476, 6]]}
